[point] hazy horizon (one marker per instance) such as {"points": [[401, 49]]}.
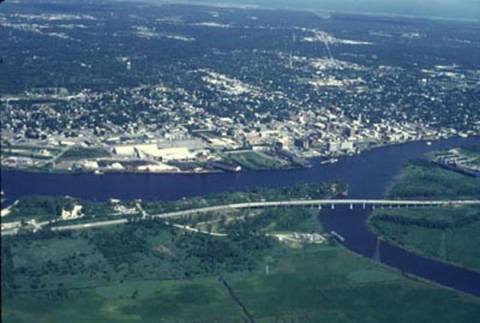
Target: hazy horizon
{"points": [[465, 9]]}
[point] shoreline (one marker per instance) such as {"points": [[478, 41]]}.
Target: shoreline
{"points": [[218, 171], [411, 276], [414, 250]]}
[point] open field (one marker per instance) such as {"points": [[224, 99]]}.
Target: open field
{"points": [[150, 272], [76, 153], [256, 160], [327, 284]]}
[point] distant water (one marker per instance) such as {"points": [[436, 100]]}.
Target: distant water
{"points": [[367, 174]]}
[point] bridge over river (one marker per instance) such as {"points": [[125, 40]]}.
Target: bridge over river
{"points": [[364, 203], [10, 228]]}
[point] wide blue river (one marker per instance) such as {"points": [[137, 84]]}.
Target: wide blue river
{"points": [[367, 174]]}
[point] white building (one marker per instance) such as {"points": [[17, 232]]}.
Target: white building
{"points": [[346, 145], [124, 150]]}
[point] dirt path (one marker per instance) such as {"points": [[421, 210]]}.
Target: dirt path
{"points": [[247, 314]]}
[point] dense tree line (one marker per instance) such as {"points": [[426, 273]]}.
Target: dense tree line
{"points": [[449, 223], [258, 194], [42, 206], [120, 247]]}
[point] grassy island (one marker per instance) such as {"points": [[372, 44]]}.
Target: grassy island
{"points": [[448, 234]]}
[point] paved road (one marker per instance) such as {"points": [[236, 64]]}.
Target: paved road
{"points": [[217, 208]]}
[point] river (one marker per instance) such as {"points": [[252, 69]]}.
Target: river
{"points": [[367, 174]]}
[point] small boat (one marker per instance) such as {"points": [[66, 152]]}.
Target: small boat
{"points": [[338, 236], [98, 172], [429, 143], [329, 161]]}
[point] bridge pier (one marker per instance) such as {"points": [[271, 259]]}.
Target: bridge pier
{"points": [[319, 207], [333, 206], [351, 206], [364, 206]]}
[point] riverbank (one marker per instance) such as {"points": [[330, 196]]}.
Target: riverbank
{"points": [[421, 251], [449, 235], [233, 161]]}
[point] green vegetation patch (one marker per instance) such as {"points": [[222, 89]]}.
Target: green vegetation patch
{"points": [[295, 219], [299, 191], [371, 276], [449, 235], [431, 217], [46, 260], [84, 153], [44, 208], [40, 208], [256, 160], [424, 180], [308, 286], [314, 286]]}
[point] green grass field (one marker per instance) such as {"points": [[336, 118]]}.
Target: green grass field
{"points": [[322, 286], [84, 153], [256, 160], [318, 284]]}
